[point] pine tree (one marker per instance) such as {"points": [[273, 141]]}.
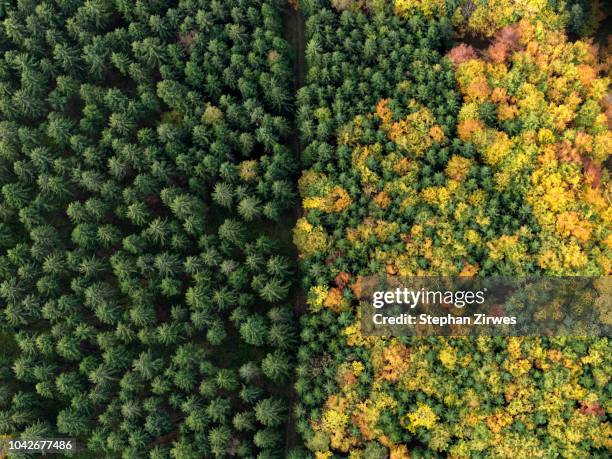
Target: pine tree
{"points": [[270, 412]]}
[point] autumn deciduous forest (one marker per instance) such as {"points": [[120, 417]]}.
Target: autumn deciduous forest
{"points": [[192, 192]]}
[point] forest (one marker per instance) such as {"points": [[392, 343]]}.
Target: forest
{"points": [[192, 192]]}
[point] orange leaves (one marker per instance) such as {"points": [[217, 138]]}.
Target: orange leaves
{"points": [[499, 95], [469, 270], [577, 153], [342, 279], [437, 134], [399, 452], [592, 409], [384, 112], [584, 142], [586, 75], [497, 52], [496, 422], [592, 173], [506, 41], [467, 128], [360, 420], [607, 107], [566, 152], [570, 224], [462, 53], [532, 111], [506, 108], [552, 88], [335, 301], [507, 112], [319, 192], [458, 167], [340, 198], [395, 361], [470, 71], [405, 166], [358, 287], [346, 376], [382, 200]]}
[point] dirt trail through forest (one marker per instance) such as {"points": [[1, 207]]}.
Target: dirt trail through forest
{"points": [[294, 34]]}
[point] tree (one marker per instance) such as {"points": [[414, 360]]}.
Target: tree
{"points": [[226, 379], [219, 438], [223, 194], [248, 208], [72, 422], [282, 336], [268, 439], [270, 412], [249, 372], [253, 331], [270, 289], [232, 231], [218, 409], [244, 421], [276, 366]]}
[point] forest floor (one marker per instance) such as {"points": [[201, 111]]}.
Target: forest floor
{"points": [[294, 34]]}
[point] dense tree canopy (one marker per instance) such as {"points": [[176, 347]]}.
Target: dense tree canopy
{"points": [[431, 158], [156, 160], [142, 151]]}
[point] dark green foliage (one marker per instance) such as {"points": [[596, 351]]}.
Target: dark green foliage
{"points": [[141, 149]]}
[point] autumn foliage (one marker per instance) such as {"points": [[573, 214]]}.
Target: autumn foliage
{"points": [[469, 161]]}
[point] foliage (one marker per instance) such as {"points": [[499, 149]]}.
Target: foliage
{"points": [[487, 17], [143, 149], [147, 189], [484, 162]]}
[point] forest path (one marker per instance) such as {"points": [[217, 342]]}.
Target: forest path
{"points": [[294, 34]]}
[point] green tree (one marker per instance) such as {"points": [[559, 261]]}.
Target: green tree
{"points": [[271, 412], [276, 366]]}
